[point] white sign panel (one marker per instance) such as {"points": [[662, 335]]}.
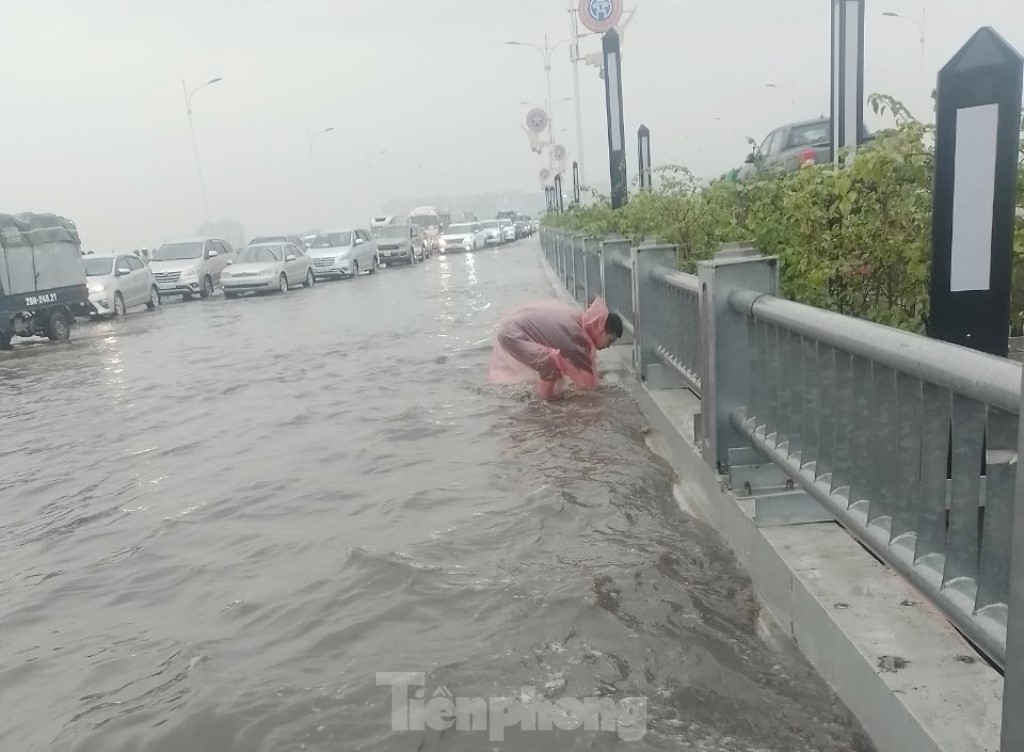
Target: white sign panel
{"points": [[974, 189]]}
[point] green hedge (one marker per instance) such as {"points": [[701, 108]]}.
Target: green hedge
{"points": [[856, 240]]}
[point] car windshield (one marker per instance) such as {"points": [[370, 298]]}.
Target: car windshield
{"points": [[394, 231], [98, 267], [460, 230], [424, 221], [332, 240], [179, 251], [815, 134], [491, 223], [260, 254]]}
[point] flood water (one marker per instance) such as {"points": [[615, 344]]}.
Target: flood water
{"points": [[221, 520]]}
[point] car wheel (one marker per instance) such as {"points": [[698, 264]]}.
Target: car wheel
{"points": [[154, 298], [310, 279], [5, 341], [282, 283], [355, 269], [119, 309], [58, 328], [374, 265], [207, 289]]}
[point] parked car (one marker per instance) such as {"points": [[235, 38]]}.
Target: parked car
{"points": [[117, 282], [42, 277], [508, 230], [190, 267], [404, 244], [788, 148], [268, 267], [293, 239], [522, 228], [463, 237], [345, 252], [492, 232]]}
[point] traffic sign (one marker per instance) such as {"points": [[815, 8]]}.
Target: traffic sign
{"points": [[600, 16], [560, 153], [545, 174], [537, 120]]}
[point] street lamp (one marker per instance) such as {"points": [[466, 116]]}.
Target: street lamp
{"points": [[919, 25], [310, 137], [546, 51], [192, 130]]}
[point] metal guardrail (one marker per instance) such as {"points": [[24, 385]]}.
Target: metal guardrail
{"points": [[910, 442]]}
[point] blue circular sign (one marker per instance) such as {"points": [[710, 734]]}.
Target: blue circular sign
{"points": [[537, 120], [600, 16]]}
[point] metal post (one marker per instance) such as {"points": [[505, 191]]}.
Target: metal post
{"points": [[1013, 675], [975, 197], [195, 151], [644, 150], [575, 37], [550, 105], [592, 263], [847, 75], [644, 258], [576, 183], [616, 118], [559, 205], [725, 369]]}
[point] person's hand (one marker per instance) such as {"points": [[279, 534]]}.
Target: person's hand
{"points": [[580, 357]]}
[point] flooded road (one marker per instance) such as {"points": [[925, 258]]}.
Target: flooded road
{"points": [[222, 520]]}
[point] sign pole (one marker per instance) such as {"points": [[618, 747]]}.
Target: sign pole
{"points": [[576, 183], [976, 149], [558, 193], [646, 174], [616, 118], [847, 75]]}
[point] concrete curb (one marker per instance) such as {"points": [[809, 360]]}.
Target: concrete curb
{"points": [[911, 680]]}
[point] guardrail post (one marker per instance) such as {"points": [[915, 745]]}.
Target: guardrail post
{"points": [[616, 298], [570, 272], [643, 258], [1013, 675], [579, 271], [725, 370], [592, 264]]}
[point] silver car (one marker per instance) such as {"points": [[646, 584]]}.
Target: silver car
{"points": [[190, 267], [117, 282], [267, 267], [344, 252], [492, 230], [400, 243]]}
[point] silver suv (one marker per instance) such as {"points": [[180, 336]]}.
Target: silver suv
{"points": [[191, 266]]}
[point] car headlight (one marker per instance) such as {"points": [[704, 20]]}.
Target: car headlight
{"points": [[97, 288], [265, 272], [190, 272]]}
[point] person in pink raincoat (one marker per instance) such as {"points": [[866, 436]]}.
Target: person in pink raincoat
{"points": [[550, 340]]}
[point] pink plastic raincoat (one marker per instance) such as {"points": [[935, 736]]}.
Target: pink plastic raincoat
{"points": [[549, 339]]}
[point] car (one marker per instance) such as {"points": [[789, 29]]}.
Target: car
{"points": [[307, 239], [468, 236], [268, 267], [343, 253], [117, 282], [522, 228], [191, 266], [293, 239], [790, 147], [404, 244], [508, 230], [492, 231]]}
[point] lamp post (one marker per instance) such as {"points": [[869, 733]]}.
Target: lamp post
{"points": [[546, 52], [195, 148], [919, 25], [310, 137]]}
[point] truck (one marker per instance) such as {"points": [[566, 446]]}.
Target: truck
{"points": [[428, 219], [42, 277]]}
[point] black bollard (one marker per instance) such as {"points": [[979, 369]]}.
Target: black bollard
{"points": [[644, 149], [976, 150], [616, 118], [576, 183], [558, 193]]}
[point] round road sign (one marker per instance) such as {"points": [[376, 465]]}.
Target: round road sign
{"points": [[600, 16], [537, 120], [545, 174], [560, 153]]}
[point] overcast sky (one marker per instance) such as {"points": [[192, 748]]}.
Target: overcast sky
{"points": [[94, 125]]}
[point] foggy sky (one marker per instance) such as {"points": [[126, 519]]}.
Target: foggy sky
{"points": [[94, 124]]}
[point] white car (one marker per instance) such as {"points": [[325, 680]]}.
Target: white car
{"points": [[117, 282], [464, 237], [190, 267], [264, 267], [508, 231], [492, 228], [344, 252]]}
